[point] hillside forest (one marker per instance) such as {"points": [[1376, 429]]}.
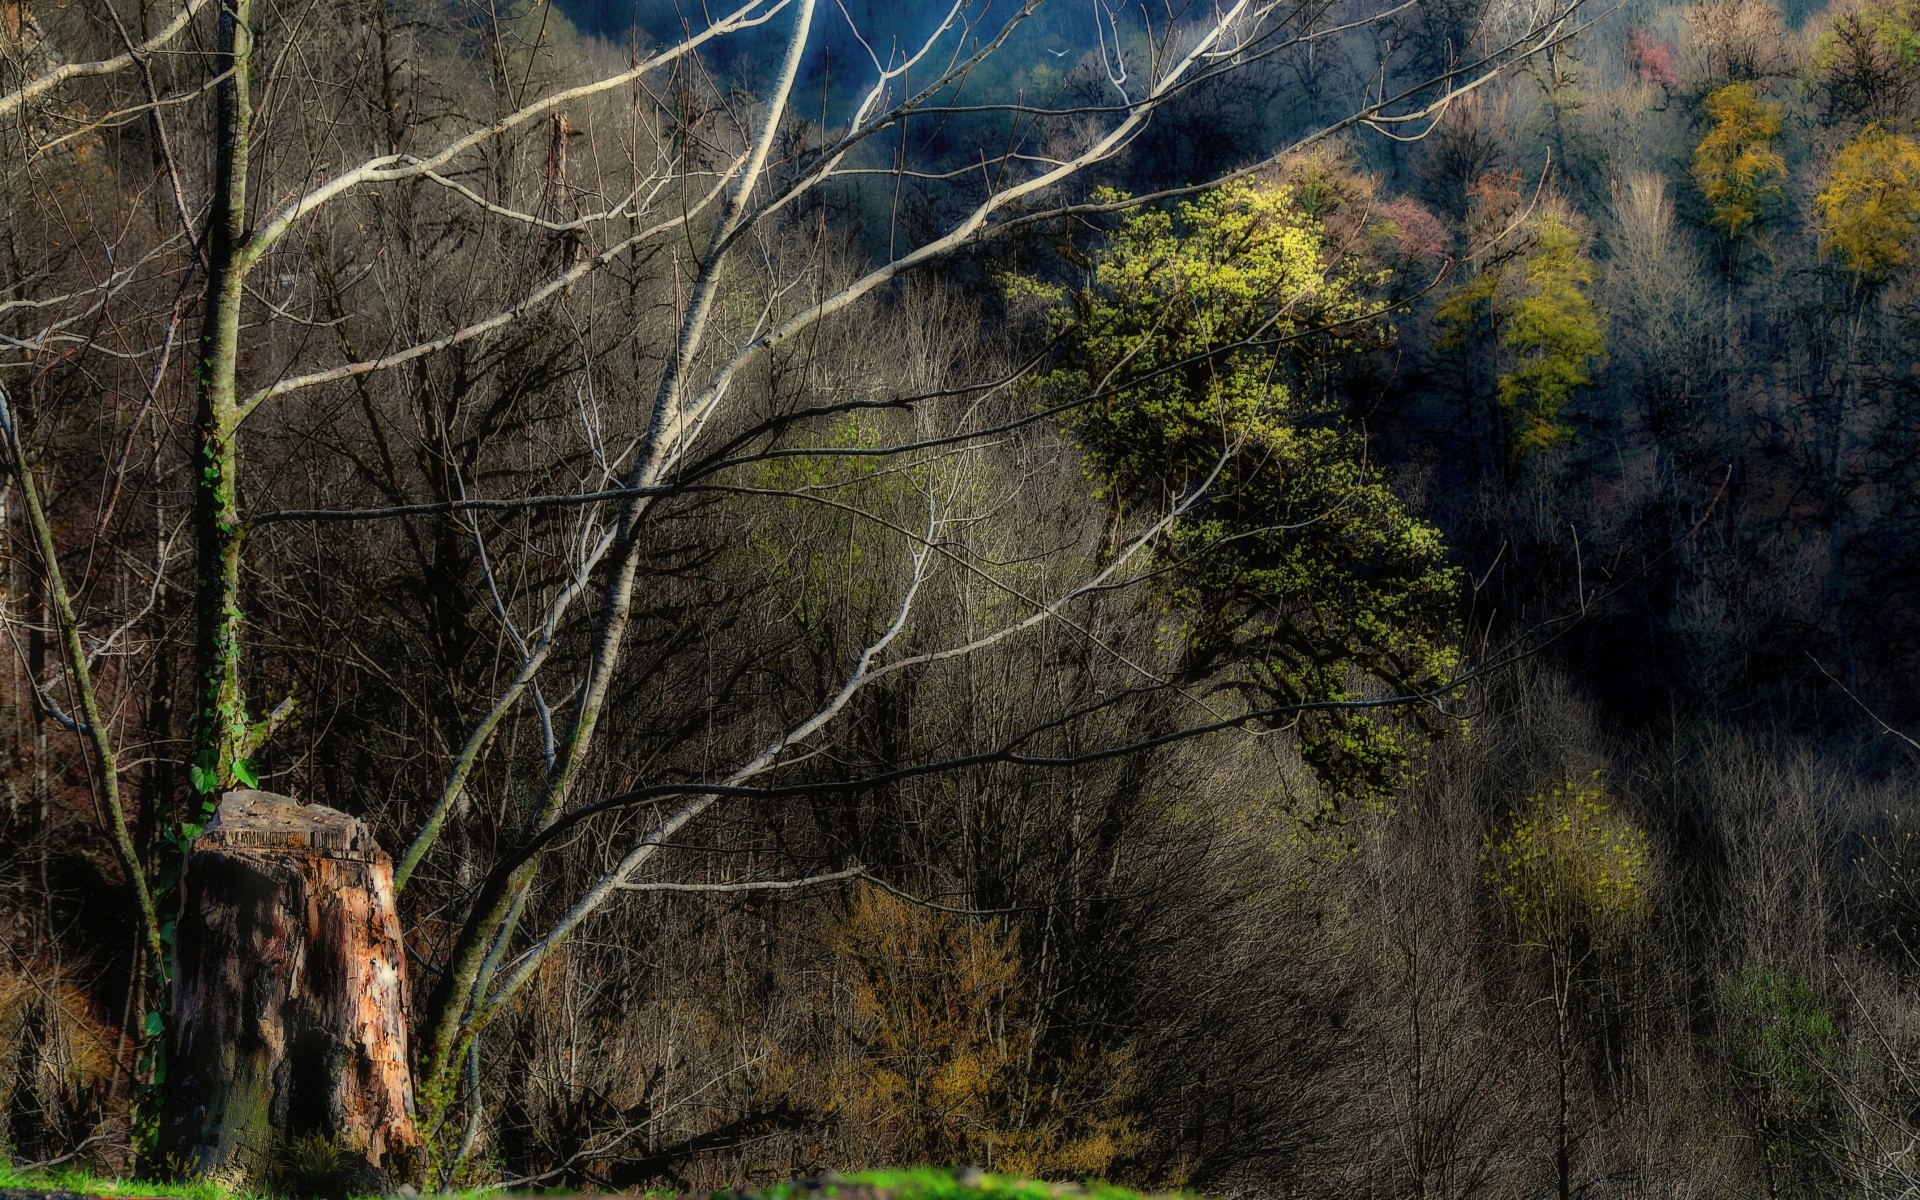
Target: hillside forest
{"points": [[1286, 598]]}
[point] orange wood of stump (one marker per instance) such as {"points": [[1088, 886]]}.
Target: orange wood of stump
{"points": [[289, 1000]]}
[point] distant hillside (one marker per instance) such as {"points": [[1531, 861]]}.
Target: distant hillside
{"points": [[839, 58]]}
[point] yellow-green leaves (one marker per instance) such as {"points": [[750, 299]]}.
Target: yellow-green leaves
{"points": [[1571, 867], [1736, 165], [1537, 303], [1213, 339], [1195, 302], [1870, 207], [1867, 62], [1556, 337]]}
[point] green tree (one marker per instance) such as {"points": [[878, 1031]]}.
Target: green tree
{"points": [[1212, 339], [1538, 305], [1781, 1042], [1571, 869], [1863, 65], [1870, 208], [1735, 164], [1573, 873], [1556, 336]]}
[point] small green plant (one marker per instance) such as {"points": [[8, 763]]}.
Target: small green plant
{"points": [[315, 1165], [1781, 1041]]}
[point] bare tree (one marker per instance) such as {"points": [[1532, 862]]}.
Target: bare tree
{"points": [[255, 218]]}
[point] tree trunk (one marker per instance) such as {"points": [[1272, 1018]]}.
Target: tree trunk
{"points": [[289, 1043]]}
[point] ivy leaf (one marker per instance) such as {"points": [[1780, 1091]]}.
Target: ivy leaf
{"points": [[204, 780], [243, 771], [152, 1025]]}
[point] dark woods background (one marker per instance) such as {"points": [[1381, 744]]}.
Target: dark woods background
{"points": [[1638, 920]]}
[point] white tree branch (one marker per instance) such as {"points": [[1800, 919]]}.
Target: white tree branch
{"points": [[106, 66], [393, 167]]}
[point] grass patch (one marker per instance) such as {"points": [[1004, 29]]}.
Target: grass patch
{"points": [[917, 1183], [86, 1184], [933, 1183]]}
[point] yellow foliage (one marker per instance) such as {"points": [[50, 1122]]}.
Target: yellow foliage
{"points": [[1736, 166], [1871, 204], [56, 1057], [945, 1061], [1571, 866]]}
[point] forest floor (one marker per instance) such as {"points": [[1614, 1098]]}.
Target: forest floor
{"points": [[913, 1184]]}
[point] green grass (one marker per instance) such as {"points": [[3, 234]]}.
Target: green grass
{"points": [[919, 1183], [932, 1183], [95, 1185]]}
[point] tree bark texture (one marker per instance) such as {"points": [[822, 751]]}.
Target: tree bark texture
{"points": [[289, 1040]]}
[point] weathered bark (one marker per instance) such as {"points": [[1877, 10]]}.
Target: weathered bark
{"points": [[289, 1040]]}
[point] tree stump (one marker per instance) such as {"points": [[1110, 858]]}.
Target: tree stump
{"points": [[288, 1062]]}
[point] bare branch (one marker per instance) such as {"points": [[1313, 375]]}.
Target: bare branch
{"points": [[554, 287], [394, 167], [767, 885], [106, 66]]}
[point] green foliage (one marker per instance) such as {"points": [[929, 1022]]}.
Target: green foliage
{"points": [[911, 1183], [313, 1165], [1212, 338], [1556, 336], [1782, 1041], [1780, 1030], [1864, 62], [1533, 297], [1571, 868], [86, 1184], [934, 1183], [1870, 207], [434, 1100], [1738, 170], [809, 541]]}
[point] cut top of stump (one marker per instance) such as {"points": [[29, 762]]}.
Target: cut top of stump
{"points": [[257, 821]]}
